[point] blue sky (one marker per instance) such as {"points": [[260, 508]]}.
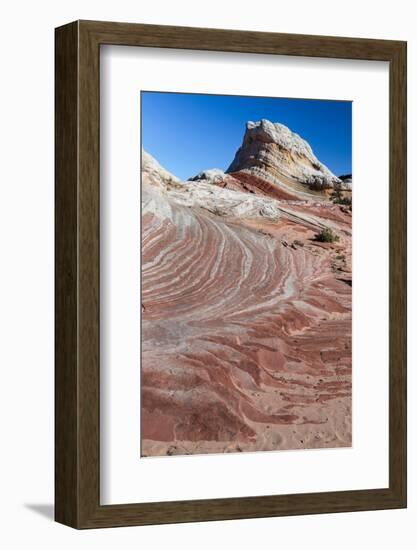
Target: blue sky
{"points": [[188, 133]]}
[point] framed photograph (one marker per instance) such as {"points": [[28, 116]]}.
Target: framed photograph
{"points": [[230, 274]]}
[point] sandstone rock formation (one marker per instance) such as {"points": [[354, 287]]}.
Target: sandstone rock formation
{"points": [[275, 153], [346, 181], [246, 316], [154, 174]]}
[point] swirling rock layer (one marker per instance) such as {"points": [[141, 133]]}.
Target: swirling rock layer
{"points": [[246, 322], [273, 152]]}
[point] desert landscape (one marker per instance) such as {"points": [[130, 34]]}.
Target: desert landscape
{"points": [[246, 302]]}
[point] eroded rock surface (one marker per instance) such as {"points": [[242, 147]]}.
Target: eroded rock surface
{"points": [[273, 152], [246, 316]]}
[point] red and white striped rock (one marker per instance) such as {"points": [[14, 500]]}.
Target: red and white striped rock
{"points": [[273, 152], [246, 321]]}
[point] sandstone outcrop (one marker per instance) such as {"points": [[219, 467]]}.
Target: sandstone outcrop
{"points": [[346, 181], [154, 174], [246, 317], [273, 152]]}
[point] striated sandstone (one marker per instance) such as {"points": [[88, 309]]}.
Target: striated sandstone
{"points": [[246, 318], [273, 152]]}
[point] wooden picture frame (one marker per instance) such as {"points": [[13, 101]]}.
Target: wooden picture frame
{"points": [[77, 424]]}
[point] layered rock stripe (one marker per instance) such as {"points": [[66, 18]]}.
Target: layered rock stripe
{"points": [[246, 316]]}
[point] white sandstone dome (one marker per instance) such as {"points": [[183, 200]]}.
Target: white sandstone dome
{"points": [[273, 151], [214, 175]]}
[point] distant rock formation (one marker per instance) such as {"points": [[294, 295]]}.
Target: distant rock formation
{"points": [[346, 182], [273, 152], [211, 176], [275, 162]]}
